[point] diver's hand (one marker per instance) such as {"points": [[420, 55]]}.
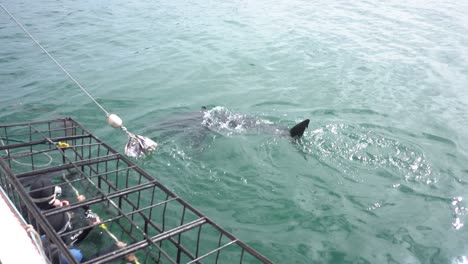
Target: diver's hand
{"points": [[130, 258], [121, 244], [60, 203], [93, 219], [81, 198]]}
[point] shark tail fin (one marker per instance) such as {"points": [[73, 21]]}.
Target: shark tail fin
{"points": [[298, 130]]}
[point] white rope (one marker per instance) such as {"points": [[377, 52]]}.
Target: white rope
{"points": [[55, 61], [3, 144], [77, 193], [36, 238], [27, 152], [35, 165]]}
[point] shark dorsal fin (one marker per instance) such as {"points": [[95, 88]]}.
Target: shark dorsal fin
{"points": [[298, 130]]}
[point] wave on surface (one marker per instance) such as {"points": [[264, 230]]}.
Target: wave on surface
{"points": [[354, 147]]}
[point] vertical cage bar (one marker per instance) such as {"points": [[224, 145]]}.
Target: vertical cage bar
{"points": [[198, 242], [219, 245]]}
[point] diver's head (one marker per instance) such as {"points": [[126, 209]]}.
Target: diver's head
{"points": [[44, 194]]}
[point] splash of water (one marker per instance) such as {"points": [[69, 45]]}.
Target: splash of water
{"points": [[222, 119]]}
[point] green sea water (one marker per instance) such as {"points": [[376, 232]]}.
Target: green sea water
{"points": [[381, 175]]}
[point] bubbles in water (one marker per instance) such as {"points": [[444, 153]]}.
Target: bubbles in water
{"points": [[349, 146], [460, 211], [221, 119], [374, 206]]}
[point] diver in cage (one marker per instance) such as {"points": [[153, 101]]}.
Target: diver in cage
{"points": [[61, 223], [46, 196]]}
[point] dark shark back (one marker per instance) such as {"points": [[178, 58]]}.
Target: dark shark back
{"points": [[298, 130]]}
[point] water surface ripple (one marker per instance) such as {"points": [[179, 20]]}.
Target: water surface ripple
{"points": [[381, 174]]}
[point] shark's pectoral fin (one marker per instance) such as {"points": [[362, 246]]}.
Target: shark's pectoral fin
{"points": [[298, 130]]}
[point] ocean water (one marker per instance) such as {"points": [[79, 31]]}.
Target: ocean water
{"points": [[381, 174]]}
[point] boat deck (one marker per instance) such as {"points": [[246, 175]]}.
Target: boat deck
{"points": [[16, 246]]}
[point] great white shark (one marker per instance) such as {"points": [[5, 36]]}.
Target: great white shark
{"points": [[220, 120]]}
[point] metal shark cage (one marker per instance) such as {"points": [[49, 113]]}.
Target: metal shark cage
{"points": [[156, 224]]}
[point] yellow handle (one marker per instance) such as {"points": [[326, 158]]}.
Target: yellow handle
{"points": [[61, 144]]}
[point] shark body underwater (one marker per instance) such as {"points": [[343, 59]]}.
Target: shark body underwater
{"points": [[219, 120]]}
